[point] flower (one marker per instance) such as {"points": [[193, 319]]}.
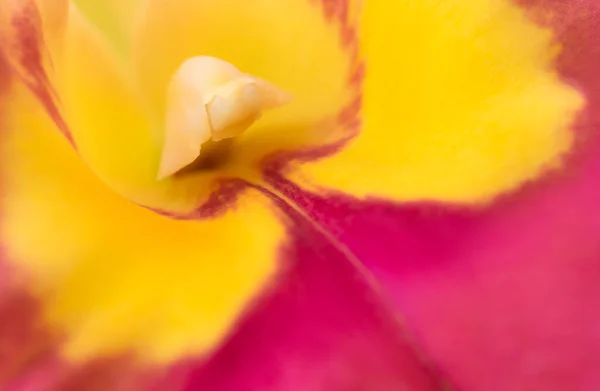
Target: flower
{"points": [[299, 195]]}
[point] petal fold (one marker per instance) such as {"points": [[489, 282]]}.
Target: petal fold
{"points": [[323, 327]]}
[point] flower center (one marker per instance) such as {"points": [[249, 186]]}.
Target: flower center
{"points": [[210, 100]]}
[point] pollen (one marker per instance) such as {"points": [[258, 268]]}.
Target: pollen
{"points": [[209, 99]]}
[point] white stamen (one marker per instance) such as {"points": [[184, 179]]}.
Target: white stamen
{"points": [[209, 98]]}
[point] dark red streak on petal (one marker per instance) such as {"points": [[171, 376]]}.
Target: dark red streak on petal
{"points": [[23, 47], [337, 11], [222, 198], [347, 120]]}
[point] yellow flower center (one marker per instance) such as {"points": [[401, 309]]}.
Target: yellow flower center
{"points": [[210, 99]]}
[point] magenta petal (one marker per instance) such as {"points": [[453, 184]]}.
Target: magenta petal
{"points": [[505, 297], [321, 328], [502, 300]]}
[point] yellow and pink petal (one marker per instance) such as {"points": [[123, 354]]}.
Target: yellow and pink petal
{"points": [[325, 325], [120, 293], [459, 102], [337, 330], [30, 352], [107, 278], [503, 295]]}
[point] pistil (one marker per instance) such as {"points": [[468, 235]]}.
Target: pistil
{"points": [[209, 99]]}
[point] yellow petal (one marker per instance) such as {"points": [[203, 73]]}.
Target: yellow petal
{"points": [[114, 276], [54, 13], [460, 103], [115, 18], [288, 43], [112, 131]]}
